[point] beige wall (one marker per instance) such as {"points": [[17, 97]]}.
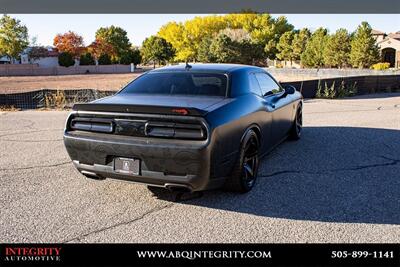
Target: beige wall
{"points": [[36, 70]]}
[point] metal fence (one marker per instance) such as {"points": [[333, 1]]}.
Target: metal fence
{"points": [[361, 84], [49, 98]]}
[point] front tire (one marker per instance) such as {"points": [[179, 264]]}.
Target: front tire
{"points": [[244, 174]]}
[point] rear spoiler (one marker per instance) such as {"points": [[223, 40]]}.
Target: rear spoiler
{"points": [[146, 109]]}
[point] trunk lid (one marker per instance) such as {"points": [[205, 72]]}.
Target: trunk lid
{"points": [[154, 104]]}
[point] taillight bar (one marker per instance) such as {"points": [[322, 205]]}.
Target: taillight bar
{"points": [[175, 130], [92, 125]]}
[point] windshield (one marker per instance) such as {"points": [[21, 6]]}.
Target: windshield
{"points": [[178, 83]]}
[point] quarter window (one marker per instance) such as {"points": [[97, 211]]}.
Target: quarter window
{"points": [[267, 84], [254, 86]]}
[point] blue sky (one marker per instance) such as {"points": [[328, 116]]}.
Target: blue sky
{"points": [[140, 26]]}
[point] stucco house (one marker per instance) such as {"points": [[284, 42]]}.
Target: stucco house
{"points": [[378, 35], [389, 44], [47, 58]]}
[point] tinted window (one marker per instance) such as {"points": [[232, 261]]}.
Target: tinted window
{"points": [[178, 83], [254, 86], [267, 84]]}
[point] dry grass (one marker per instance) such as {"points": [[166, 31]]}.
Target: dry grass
{"points": [[56, 100], [8, 108], [18, 84]]}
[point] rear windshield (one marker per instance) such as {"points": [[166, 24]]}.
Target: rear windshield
{"points": [[178, 83]]}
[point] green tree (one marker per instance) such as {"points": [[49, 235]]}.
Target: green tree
{"points": [[299, 42], [136, 56], [313, 55], [117, 38], [337, 49], [157, 49], [271, 32], [66, 59], [13, 37], [204, 54], [223, 49], [131, 56], [104, 59], [285, 47], [364, 51], [246, 50], [86, 59]]}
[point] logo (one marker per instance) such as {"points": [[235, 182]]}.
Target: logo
{"points": [[125, 165], [32, 254]]}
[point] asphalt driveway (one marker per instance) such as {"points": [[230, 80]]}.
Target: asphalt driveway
{"points": [[339, 183]]}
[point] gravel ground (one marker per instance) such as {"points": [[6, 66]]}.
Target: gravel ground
{"points": [[339, 183]]}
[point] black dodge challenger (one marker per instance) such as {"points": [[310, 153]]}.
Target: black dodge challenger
{"points": [[186, 127]]}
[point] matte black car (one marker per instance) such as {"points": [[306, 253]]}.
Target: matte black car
{"points": [[185, 127]]}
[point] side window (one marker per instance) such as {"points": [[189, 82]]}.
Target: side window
{"points": [[254, 86], [268, 86]]}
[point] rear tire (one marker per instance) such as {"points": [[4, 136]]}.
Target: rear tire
{"points": [[244, 174], [297, 127]]}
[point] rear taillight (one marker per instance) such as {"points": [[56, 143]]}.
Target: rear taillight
{"points": [[92, 125], [189, 129], [175, 130]]}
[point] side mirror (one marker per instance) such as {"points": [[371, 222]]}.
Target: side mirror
{"points": [[289, 89]]}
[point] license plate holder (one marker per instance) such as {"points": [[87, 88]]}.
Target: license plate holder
{"points": [[127, 165]]}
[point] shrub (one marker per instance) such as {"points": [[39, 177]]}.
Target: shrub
{"points": [[86, 59], [330, 92], [55, 100], [381, 66], [105, 59], [65, 59]]}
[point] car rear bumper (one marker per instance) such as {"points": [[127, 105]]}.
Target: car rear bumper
{"points": [[164, 163]]}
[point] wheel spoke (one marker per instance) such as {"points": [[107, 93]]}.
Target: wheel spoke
{"points": [[250, 160], [250, 156], [248, 169]]}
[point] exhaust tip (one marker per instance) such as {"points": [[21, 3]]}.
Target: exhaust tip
{"points": [[92, 175], [178, 188]]}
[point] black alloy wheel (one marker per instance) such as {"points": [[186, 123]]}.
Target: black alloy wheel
{"points": [[299, 121], [244, 174], [250, 162]]}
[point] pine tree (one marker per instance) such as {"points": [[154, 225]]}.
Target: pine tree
{"points": [[285, 47], [364, 51], [300, 40], [337, 49], [313, 56]]}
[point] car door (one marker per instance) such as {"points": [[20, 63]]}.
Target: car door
{"points": [[264, 118], [279, 106]]}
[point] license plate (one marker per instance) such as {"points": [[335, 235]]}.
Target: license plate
{"points": [[127, 166]]}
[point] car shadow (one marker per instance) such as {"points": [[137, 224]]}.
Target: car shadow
{"points": [[332, 174]]}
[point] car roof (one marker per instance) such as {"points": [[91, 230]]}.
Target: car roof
{"points": [[221, 68]]}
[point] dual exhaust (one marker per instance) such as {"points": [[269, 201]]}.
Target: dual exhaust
{"points": [[169, 186]]}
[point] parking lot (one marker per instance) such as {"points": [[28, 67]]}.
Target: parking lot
{"points": [[339, 183]]}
